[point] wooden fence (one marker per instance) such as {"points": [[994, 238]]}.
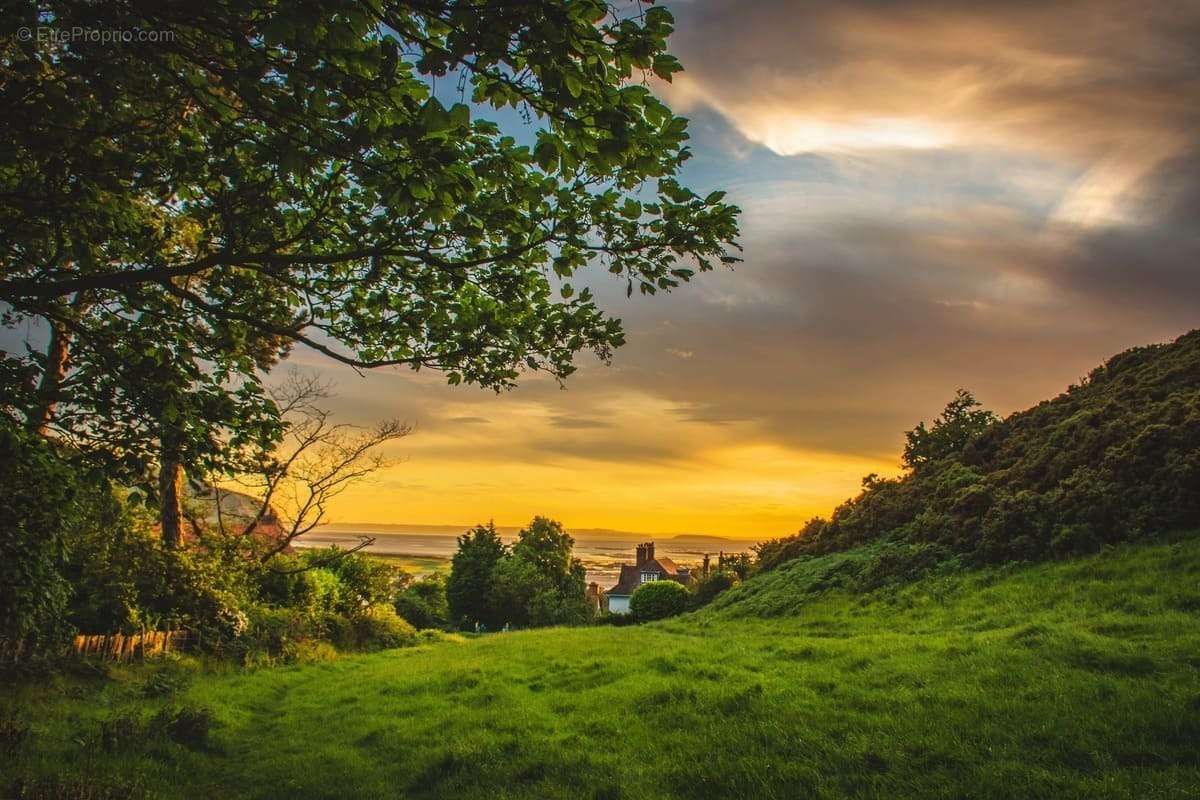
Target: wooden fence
{"points": [[122, 647], [108, 646]]}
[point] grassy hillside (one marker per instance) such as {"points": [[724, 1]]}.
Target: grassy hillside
{"points": [[1066, 679]]}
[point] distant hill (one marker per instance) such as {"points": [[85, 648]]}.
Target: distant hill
{"points": [[1114, 458], [511, 530]]}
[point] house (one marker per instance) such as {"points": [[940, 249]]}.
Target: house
{"points": [[648, 568]]}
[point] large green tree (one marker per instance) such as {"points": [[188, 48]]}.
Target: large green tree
{"points": [[540, 582], [297, 160], [469, 586], [324, 174]]}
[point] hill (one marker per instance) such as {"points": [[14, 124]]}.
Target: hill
{"points": [[1115, 458], [1065, 679]]}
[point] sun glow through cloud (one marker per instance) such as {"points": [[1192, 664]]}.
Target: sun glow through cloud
{"points": [[794, 135]]}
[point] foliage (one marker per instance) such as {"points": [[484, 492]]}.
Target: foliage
{"points": [[39, 490], [469, 586], [539, 582], [706, 588], [381, 628], [535, 583], [1062, 679], [658, 600], [1115, 458], [961, 422], [268, 175], [423, 602]]}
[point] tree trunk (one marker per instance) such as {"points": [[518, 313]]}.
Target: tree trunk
{"points": [[53, 371], [170, 488]]}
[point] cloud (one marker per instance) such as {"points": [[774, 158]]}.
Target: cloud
{"points": [[1101, 84]]}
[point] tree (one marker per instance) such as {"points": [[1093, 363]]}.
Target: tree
{"points": [[658, 600], [707, 587], [317, 461], [267, 175], [539, 582], [469, 586], [962, 421], [292, 172]]}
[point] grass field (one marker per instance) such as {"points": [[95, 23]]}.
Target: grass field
{"points": [[1073, 679], [414, 564]]}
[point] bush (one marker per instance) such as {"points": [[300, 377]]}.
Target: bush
{"points": [[658, 600], [423, 603], [382, 628], [39, 490], [706, 589]]}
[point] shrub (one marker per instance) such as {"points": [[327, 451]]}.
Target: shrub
{"points": [[423, 603], [39, 490], [362, 581], [318, 592], [658, 600], [706, 589], [381, 628]]}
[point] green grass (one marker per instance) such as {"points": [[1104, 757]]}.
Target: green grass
{"points": [[417, 565], [1071, 679]]}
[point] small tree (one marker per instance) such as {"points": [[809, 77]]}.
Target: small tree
{"points": [[963, 420], [658, 600], [469, 587], [318, 460]]}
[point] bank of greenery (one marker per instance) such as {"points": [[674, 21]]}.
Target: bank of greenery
{"points": [[1115, 458], [1074, 678]]}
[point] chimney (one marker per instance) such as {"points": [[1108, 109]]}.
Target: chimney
{"points": [[641, 554], [649, 551]]}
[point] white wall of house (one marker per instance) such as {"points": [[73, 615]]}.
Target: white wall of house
{"points": [[618, 605]]}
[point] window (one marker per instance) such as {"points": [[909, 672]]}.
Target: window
{"points": [[649, 576]]}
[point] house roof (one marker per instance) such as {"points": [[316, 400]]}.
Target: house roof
{"points": [[629, 580], [631, 575], [664, 565]]}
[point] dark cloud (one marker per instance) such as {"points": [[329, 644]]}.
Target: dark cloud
{"points": [[578, 423]]}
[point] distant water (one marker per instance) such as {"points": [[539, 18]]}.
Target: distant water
{"points": [[602, 556]]}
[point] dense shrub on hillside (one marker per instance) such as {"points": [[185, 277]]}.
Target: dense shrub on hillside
{"points": [[706, 588], [1117, 457], [658, 600]]}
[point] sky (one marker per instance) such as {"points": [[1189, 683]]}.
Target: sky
{"points": [[936, 195], [995, 196]]}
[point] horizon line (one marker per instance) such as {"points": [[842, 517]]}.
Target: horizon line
{"points": [[569, 529]]}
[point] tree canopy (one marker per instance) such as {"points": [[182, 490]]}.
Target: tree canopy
{"points": [[469, 585], [259, 175], [962, 421], [300, 173]]}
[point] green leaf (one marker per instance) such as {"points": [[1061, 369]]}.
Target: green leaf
{"points": [[546, 154], [434, 116], [460, 115]]}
